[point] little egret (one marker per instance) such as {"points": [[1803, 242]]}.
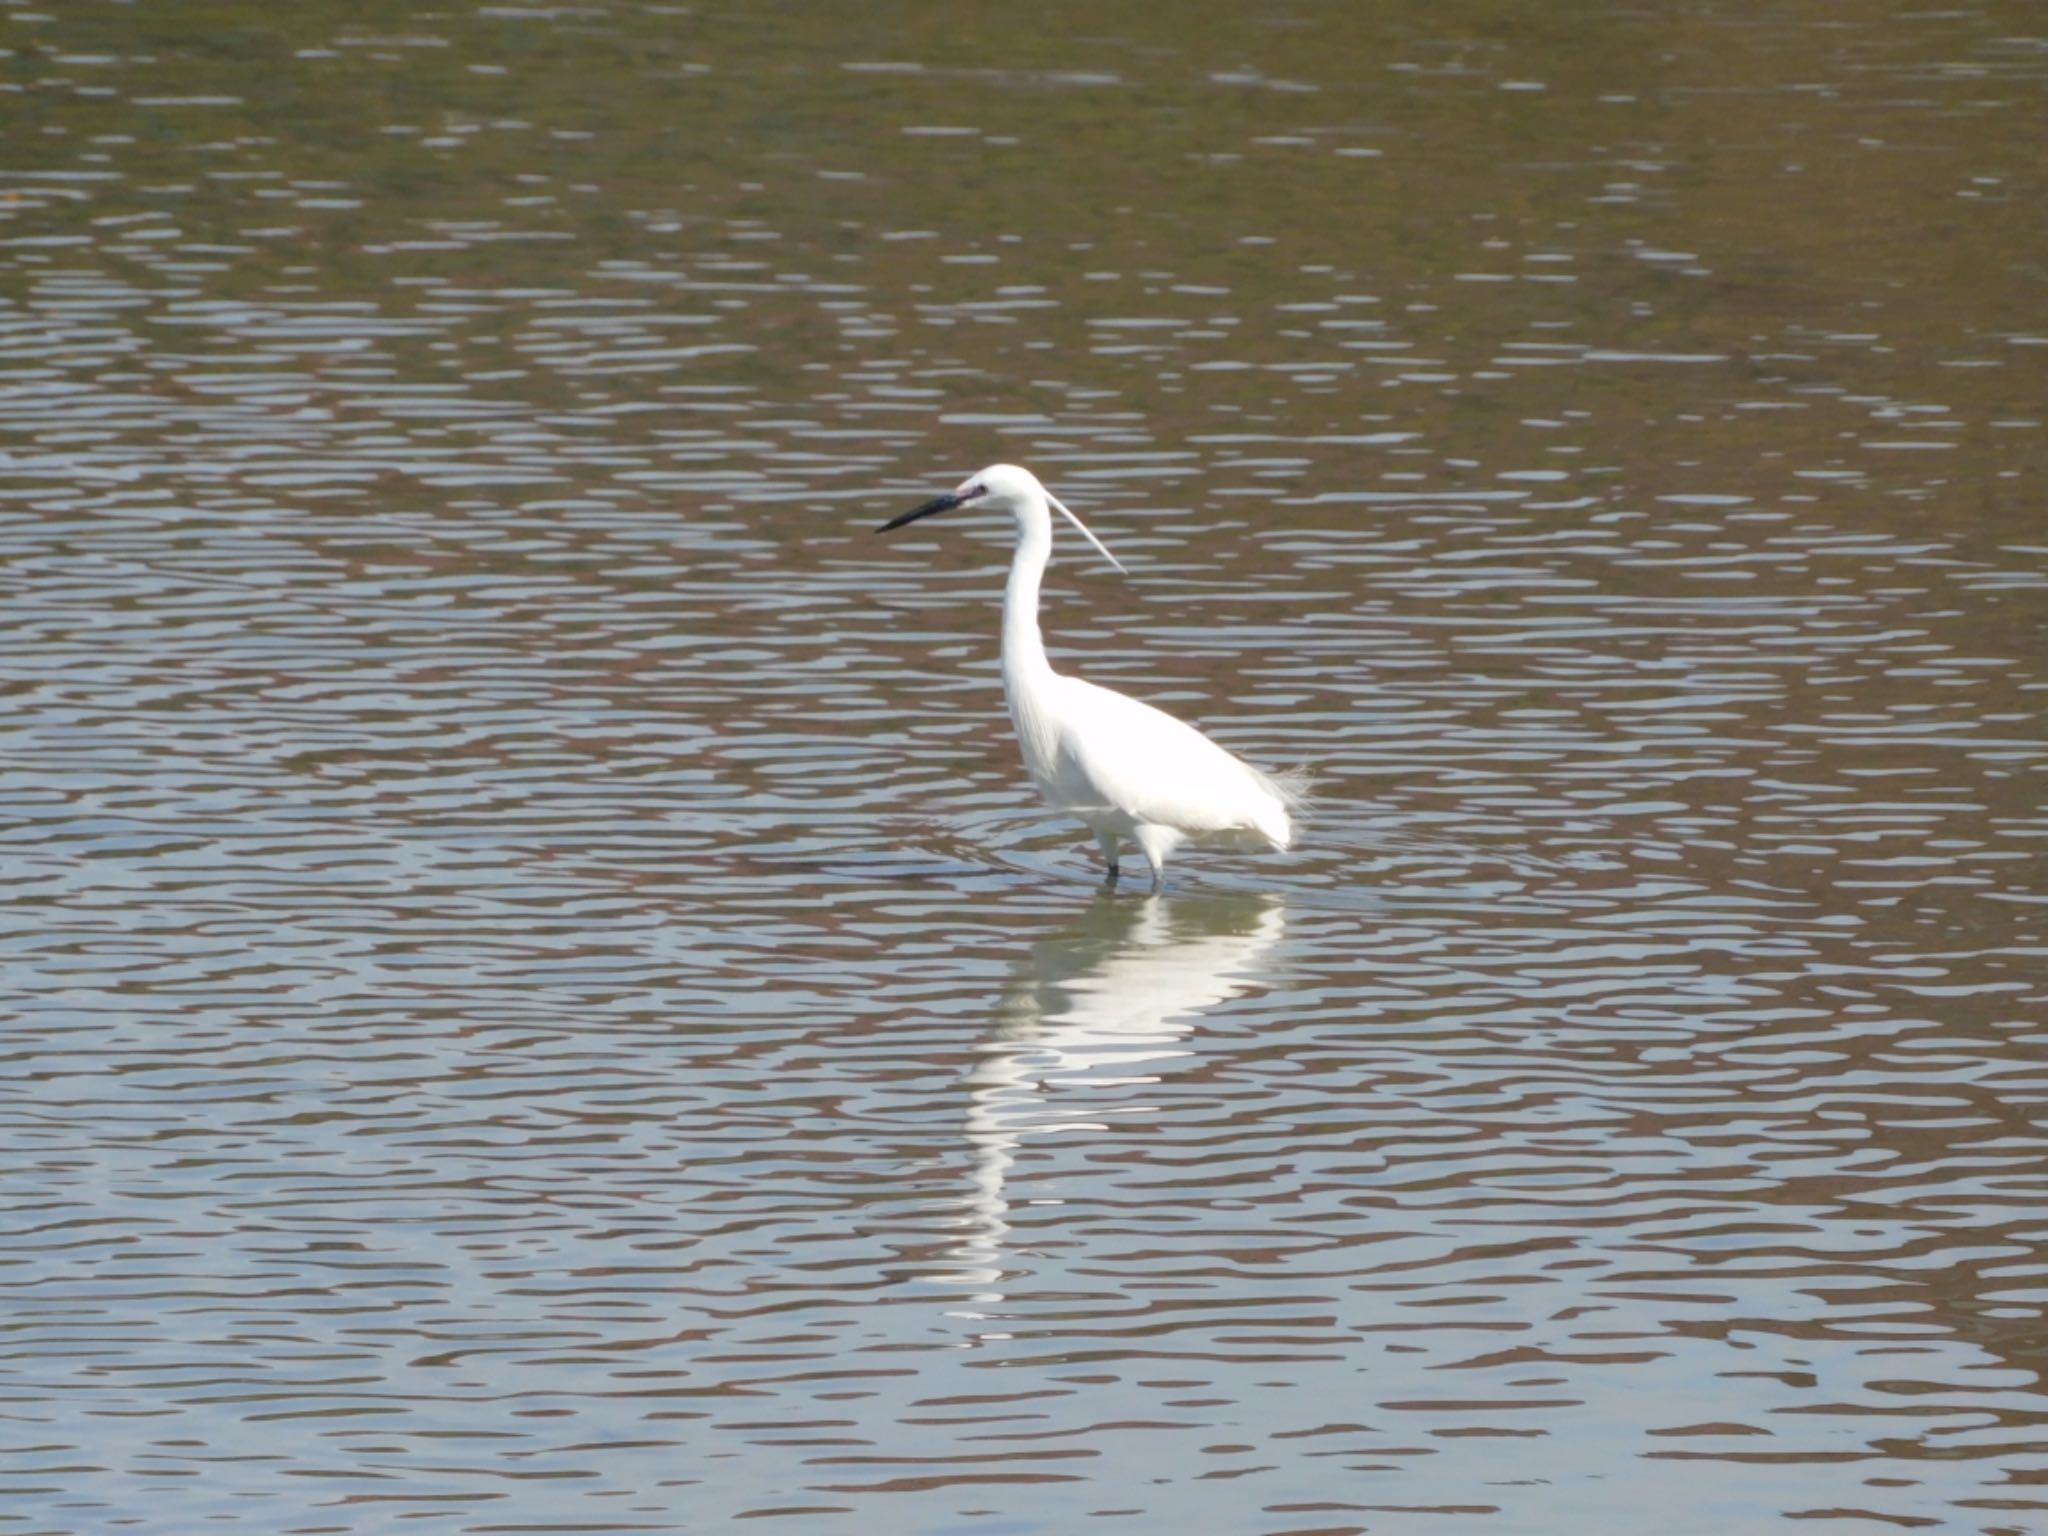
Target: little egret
{"points": [[1126, 769]]}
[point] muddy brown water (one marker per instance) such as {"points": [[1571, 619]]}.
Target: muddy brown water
{"points": [[538, 998]]}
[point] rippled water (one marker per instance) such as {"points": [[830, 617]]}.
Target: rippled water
{"points": [[538, 997]]}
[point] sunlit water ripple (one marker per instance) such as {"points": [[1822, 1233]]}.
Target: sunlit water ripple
{"points": [[538, 999]]}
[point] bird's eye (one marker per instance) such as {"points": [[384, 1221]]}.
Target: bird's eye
{"points": [[977, 489]]}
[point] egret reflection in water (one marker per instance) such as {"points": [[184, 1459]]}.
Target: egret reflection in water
{"points": [[1096, 1013]]}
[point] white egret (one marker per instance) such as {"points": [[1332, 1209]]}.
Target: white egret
{"points": [[1129, 771]]}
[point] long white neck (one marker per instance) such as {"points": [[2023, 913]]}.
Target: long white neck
{"points": [[1023, 649]]}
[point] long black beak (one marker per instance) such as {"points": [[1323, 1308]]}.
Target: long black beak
{"points": [[932, 508]]}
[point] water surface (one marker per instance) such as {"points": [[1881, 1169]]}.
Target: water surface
{"points": [[539, 999]]}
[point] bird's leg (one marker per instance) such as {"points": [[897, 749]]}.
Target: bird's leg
{"points": [[1156, 842], [1106, 841]]}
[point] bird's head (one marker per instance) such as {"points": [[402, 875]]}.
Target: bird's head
{"points": [[1002, 487]]}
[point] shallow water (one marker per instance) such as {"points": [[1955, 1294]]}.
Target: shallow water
{"points": [[540, 1000]]}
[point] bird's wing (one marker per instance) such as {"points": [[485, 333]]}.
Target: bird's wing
{"points": [[1119, 753]]}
